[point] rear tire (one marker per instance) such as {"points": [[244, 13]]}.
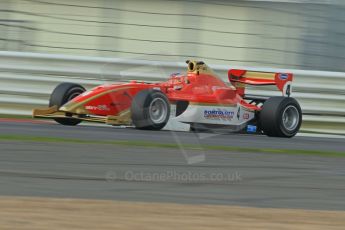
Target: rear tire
{"points": [[281, 117], [150, 110], [61, 95]]}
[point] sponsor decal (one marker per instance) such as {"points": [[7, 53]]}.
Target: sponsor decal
{"points": [[246, 116], [283, 76], [98, 107], [251, 129], [220, 114]]}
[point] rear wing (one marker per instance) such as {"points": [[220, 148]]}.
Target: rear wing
{"points": [[241, 78]]}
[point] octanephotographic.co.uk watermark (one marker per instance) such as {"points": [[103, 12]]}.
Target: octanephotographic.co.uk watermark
{"points": [[174, 176]]}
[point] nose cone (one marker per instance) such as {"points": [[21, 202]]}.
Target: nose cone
{"points": [[74, 107]]}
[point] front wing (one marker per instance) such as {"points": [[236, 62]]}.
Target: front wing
{"points": [[53, 113]]}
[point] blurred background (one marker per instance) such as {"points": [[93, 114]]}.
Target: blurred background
{"points": [[294, 34]]}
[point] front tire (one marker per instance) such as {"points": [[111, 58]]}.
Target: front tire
{"points": [[281, 117], [63, 93], [150, 110]]}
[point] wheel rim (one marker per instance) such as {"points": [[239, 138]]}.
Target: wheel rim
{"points": [[158, 110], [290, 118]]}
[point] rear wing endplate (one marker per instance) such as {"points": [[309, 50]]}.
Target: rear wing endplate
{"points": [[241, 78]]}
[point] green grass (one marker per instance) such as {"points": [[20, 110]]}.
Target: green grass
{"points": [[15, 116], [147, 144]]}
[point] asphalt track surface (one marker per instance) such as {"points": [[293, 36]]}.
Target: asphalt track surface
{"points": [[179, 175]]}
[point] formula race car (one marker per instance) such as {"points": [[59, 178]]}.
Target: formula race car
{"points": [[198, 98]]}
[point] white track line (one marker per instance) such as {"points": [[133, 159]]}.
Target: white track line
{"points": [[321, 135]]}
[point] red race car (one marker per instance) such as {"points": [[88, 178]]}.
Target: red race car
{"points": [[198, 98]]}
